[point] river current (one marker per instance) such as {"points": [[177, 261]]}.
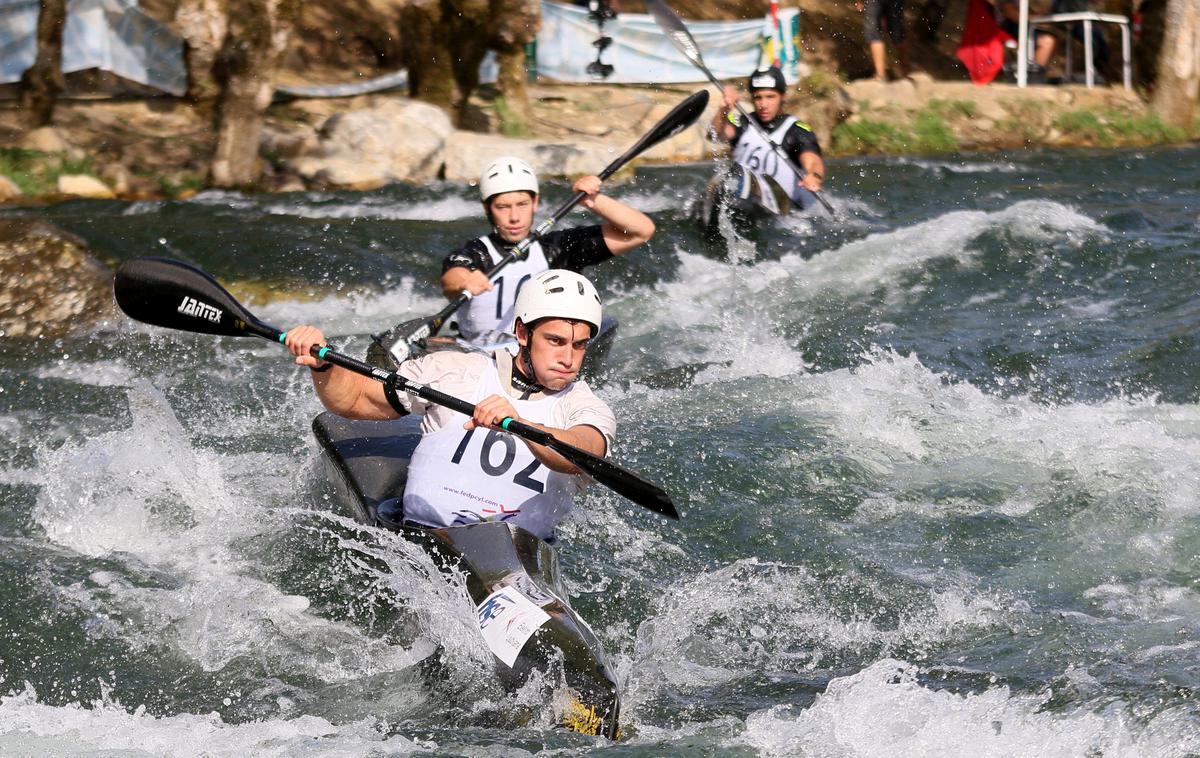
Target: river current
{"points": [[937, 458]]}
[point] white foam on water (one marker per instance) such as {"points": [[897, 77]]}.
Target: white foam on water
{"points": [[146, 496], [106, 728], [356, 312], [765, 618], [91, 374], [450, 208], [712, 312], [1152, 600], [913, 425], [879, 259], [726, 313], [959, 167], [657, 201], [884, 710]]}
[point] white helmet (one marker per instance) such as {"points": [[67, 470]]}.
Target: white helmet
{"points": [[559, 293], [506, 174]]}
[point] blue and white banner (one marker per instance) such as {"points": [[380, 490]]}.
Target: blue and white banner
{"points": [[640, 53], [111, 35]]}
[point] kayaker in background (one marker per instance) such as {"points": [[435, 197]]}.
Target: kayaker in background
{"points": [[508, 188], [466, 470], [768, 90]]}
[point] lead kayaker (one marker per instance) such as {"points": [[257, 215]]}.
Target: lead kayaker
{"points": [[467, 470], [508, 188], [768, 90]]}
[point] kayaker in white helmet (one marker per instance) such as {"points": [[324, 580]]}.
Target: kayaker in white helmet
{"points": [[752, 147], [508, 189], [467, 470]]}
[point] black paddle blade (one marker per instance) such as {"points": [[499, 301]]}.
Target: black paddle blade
{"points": [[675, 30], [680, 117], [176, 295], [625, 483], [393, 347]]}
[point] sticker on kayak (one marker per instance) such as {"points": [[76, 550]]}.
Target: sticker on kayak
{"points": [[507, 619]]}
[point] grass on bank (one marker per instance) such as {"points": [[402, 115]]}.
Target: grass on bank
{"points": [[927, 133], [1108, 128], [36, 173]]}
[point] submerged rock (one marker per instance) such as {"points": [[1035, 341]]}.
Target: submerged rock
{"points": [[50, 285]]}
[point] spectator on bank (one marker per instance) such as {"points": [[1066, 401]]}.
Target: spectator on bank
{"points": [[1044, 43], [875, 14], [1009, 18]]}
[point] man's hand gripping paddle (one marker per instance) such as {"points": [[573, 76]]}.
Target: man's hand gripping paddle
{"points": [[679, 35], [175, 295], [394, 346]]}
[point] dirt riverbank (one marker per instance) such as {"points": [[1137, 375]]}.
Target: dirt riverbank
{"points": [[160, 146]]}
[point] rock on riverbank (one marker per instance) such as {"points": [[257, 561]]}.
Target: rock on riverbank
{"points": [[159, 147], [50, 285]]}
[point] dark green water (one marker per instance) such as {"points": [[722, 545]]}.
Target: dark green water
{"points": [[938, 461]]}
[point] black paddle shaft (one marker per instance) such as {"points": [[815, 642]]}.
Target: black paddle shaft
{"points": [[681, 116], [176, 295]]}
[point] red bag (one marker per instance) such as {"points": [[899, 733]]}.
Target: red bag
{"points": [[982, 46]]}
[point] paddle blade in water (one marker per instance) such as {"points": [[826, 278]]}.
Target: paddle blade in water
{"points": [[175, 295]]}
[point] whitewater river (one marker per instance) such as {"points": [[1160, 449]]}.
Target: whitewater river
{"points": [[938, 460]]}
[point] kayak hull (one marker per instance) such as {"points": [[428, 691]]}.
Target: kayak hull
{"points": [[512, 575]]}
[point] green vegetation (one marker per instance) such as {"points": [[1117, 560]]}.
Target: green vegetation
{"points": [[1109, 128], [1145, 128], [511, 123], [1026, 121], [1084, 125], [181, 184], [931, 135], [867, 136], [928, 133], [820, 84], [951, 109], [18, 164], [36, 173]]}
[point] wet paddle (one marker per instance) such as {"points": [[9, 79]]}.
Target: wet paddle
{"points": [[176, 295], [396, 344], [673, 27]]}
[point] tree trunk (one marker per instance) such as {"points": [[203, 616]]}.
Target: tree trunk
{"points": [[42, 82], [1177, 86], [246, 69], [517, 25], [427, 53], [203, 25], [447, 39], [517, 113]]}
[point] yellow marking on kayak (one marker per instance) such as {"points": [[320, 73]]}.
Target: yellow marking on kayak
{"points": [[582, 718]]}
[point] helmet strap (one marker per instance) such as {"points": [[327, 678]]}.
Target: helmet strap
{"points": [[524, 378]]}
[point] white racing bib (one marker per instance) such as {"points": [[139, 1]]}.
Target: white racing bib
{"points": [[493, 310], [460, 477], [754, 151], [507, 619]]}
